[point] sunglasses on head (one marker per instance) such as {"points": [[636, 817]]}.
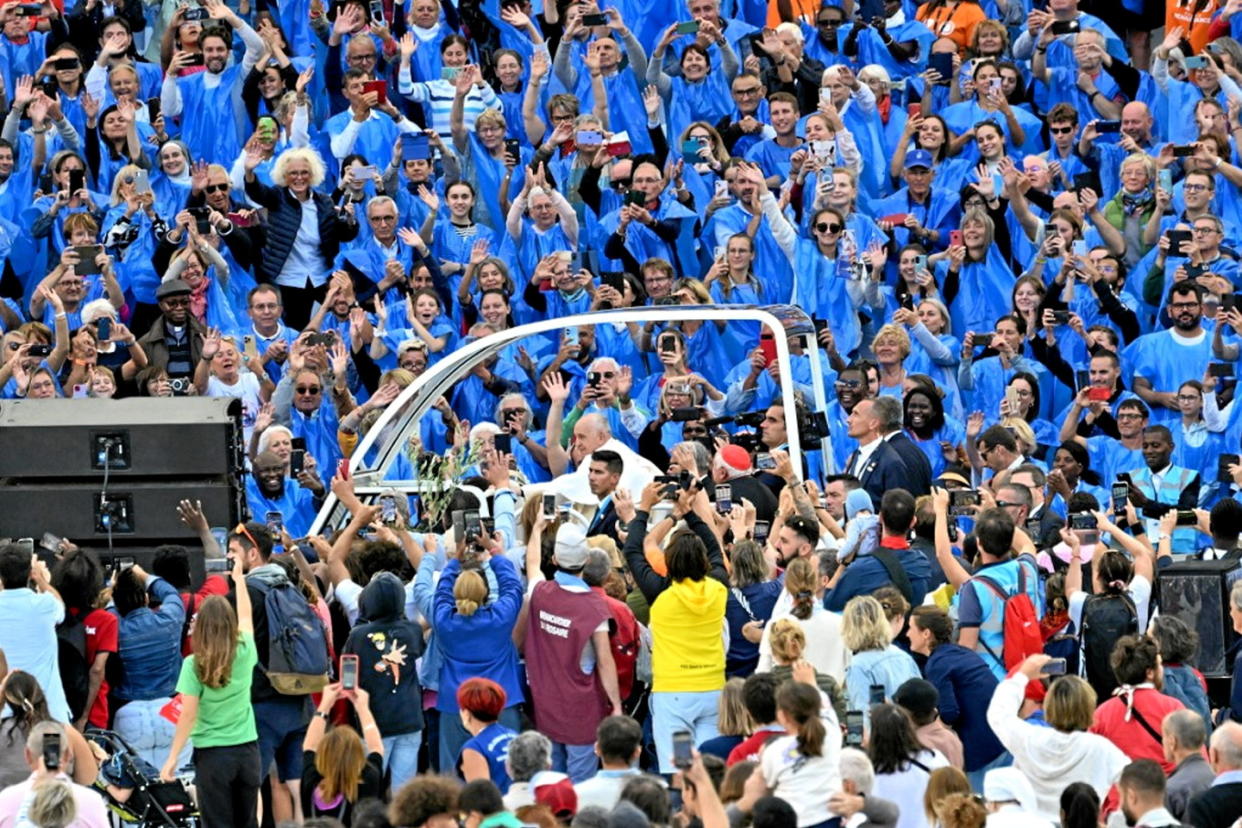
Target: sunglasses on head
{"points": [[828, 227]]}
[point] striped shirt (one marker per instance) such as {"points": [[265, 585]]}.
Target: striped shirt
{"points": [[436, 96]]}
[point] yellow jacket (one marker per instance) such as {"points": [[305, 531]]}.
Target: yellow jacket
{"points": [[687, 622]]}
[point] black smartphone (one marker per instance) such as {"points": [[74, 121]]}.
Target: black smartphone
{"points": [[40, 350], [853, 728], [1222, 468], [1176, 239], [668, 344], [594, 20], [51, 751], [513, 147], [275, 522], [1187, 517], [1064, 27], [1083, 377], [1228, 301], [613, 279], [349, 672], [77, 180], [195, 14], [1106, 127], [503, 443], [297, 462], [877, 694], [196, 59], [153, 108], [1060, 317], [1183, 150], [388, 509], [1121, 495], [473, 526], [103, 328], [942, 62], [636, 198], [682, 415], [86, 259], [683, 747], [549, 507], [1220, 369], [1088, 181], [1083, 520], [724, 498], [961, 501], [377, 12], [762, 527]]}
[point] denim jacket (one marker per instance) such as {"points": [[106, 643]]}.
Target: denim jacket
{"points": [[149, 644]]}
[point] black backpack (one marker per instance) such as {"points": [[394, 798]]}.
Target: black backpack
{"points": [[1105, 618], [75, 673]]}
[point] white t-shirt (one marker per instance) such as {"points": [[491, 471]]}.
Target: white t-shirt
{"points": [[805, 782], [245, 389], [906, 788]]}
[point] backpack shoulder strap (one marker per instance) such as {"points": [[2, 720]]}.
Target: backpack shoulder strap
{"points": [[896, 574], [1138, 717]]}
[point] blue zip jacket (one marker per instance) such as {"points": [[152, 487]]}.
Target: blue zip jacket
{"points": [[149, 644]]}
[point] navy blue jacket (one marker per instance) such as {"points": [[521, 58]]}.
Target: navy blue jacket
{"points": [[284, 219], [866, 574], [966, 685]]}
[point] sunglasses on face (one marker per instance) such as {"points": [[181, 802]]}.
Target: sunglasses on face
{"points": [[828, 227], [216, 188], [620, 183], [181, 302], [308, 390], [1060, 130]]}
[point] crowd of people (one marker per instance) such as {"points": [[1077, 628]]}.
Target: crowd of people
{"points": [[621, 595]]}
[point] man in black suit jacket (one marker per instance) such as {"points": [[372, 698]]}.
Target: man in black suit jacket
{"points": [[890, 412], [875, 463], [602, 476], [1221, 805]]}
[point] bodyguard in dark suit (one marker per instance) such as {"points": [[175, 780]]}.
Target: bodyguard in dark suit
{"points": [[875, 463], [602, 476], [1221, 805], [889, 411]]}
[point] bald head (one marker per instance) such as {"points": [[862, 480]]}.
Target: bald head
{"points": [[1226, 752], [1136, 121], [590, 432]]}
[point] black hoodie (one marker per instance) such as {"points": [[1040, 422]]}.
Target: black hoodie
{"points": [[387, 645]]}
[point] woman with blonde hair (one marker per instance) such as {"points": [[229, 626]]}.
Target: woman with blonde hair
{"points": [[302, 279], [788, 643], [942, 783], [733, 722], [891, 346], [867, 634], [216, 712], [337, 771], [475, 639], [1063, 752], [821, 628]]}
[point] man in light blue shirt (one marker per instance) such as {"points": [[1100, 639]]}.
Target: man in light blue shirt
{"points": [[28, 620]]}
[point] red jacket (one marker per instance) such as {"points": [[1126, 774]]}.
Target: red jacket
{"points": [[624, 637], [1134, 739]]}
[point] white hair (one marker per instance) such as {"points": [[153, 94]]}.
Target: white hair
{"points": [[265, 439], [312, 159], [875, 71], [98, 309], [792, 30], [857, 767]]}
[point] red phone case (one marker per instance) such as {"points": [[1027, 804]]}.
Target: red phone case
{"points": [[380, 87], [955, 238], [895, 219], [768, 346]]}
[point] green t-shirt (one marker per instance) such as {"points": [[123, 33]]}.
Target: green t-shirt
{"points": [[225, 716]]}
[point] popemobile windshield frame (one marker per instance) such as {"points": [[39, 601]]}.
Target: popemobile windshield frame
{"points": [[407, 410]]}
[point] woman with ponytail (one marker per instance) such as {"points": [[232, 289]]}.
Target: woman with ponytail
{"points": [[821, 628], [475, 637], [803, 768]]}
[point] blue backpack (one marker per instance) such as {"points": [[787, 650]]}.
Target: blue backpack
{"points": [[297, 644]]}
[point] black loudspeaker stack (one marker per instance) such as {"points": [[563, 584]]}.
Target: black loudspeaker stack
{"points": [[108, 474], [1197, 593]]}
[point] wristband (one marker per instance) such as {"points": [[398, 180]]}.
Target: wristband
{"points": [[322, 715]]}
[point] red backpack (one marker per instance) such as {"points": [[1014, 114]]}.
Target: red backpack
{"points": [[1020, 623]]}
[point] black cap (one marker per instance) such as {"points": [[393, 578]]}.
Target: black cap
{"points": [[919, 696], [172, 287]]}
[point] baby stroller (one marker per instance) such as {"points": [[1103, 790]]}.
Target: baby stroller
{"points": [[134, 791]]}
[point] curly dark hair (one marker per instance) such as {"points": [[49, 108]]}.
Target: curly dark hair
{"points": [[422, 798]]}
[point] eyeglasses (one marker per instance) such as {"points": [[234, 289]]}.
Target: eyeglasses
{"points": [[177, 301], [361, 58], [1188, 398], [607, 374], [1060, 130], [1183, 305], [1203, 231], [217, 188], [828, 23], [747, 92], [1195, 188], [384, 219], [827, 227], [308, 390], [1129, 415]]}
